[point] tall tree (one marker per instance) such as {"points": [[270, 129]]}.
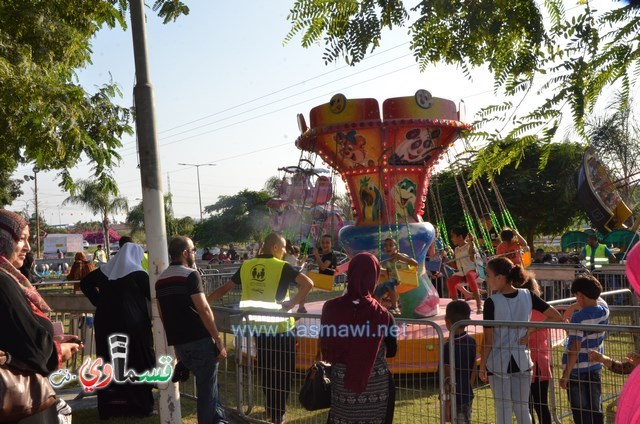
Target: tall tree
{"points": [[571, 61], [99, 200], [174, 226], [272, 185], [46, 117], [185, 226], [238, 218], [541, 201]]}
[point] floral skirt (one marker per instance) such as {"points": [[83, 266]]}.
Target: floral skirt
{"points": [[368, 407]]}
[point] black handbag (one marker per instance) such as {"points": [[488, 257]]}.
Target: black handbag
{"points": [[316, 390]]}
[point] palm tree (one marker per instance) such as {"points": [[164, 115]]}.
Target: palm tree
{"points": [[99, 200], [174, 226]]}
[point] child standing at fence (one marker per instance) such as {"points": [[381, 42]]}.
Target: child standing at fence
{"points": [[465, 264], [465, 359], [541, 358], [391, 267], [506, 361], [581, 377]]}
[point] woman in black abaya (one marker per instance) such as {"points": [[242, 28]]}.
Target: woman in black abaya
{"points": [[120, 292]]}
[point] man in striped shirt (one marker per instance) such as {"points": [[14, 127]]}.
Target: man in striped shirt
{"points": [[581, 377], [190, 326]]}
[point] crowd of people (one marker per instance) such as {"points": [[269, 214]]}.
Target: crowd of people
{"points": [[515, 362], [226, 256]]}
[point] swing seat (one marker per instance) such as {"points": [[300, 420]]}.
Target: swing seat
{"points": [[408, 280], [526, 258], [480, 270], [481, 264], [321, 281]]}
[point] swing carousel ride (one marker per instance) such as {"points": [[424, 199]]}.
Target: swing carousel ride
{"points": [[600, 196], [386, 165], [301, 210]]}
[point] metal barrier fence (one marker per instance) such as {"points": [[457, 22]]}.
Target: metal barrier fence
{"points": [[80, 324], [555, 279], [619, 341], [613, 277], [212, 279], [417, 394], [417, 368]]}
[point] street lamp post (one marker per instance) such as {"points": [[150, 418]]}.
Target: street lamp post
{"points": [[198, 173], [35, 180]]}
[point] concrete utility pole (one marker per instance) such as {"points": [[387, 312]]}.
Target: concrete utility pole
{"points": [[152, 199]]}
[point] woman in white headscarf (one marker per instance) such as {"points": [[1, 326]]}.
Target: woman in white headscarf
{"points": [[120, 292]]}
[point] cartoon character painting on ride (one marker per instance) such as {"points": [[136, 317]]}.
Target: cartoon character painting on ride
{"points": [[386, 165]]}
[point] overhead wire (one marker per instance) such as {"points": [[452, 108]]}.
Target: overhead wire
{"points": [[282, 89], [324, 95]]}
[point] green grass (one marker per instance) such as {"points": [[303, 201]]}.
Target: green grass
{"points": [[90, 416]]}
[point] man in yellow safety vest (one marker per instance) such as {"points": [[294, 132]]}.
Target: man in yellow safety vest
{"points": [[265, 282], [596, 254]]}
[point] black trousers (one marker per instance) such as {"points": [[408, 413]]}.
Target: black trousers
{"points": [[539, 401], [276, 365]]}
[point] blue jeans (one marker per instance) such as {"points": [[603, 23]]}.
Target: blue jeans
{"points": [[201, 357], [584, 396]]}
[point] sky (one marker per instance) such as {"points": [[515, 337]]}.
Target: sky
{"points": [[227, 92]]}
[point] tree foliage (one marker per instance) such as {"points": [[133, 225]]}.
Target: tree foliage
{"points": [[571, 60], [343, 204], [174, 226], [10, 188], [99, 200], [272, 185], [46, 117], [81, 227], [185, 226], [238, 218], [541, 201]]}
